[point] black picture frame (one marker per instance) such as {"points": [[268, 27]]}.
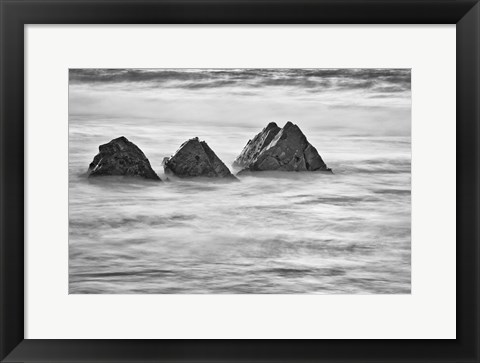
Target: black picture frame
{"points": [[15, 14]]}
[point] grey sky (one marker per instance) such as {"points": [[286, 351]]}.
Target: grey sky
{"points": [[346, 101]]}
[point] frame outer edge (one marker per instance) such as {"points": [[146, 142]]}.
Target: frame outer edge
{"points": [[11, 107], [468, 180], [11, 179]]}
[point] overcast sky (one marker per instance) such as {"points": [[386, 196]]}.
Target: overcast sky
{"points": [[333, 101]]}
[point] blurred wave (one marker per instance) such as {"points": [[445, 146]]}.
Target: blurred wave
{"points": [[273, 233]]}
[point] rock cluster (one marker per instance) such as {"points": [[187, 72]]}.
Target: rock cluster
{"points": [[195, 158], [121, 157], [280, 149], [273, 149]]}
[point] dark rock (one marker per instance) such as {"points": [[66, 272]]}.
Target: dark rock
{"points": [[121, 157], [194, 159], [288, 150], [256, 145]]}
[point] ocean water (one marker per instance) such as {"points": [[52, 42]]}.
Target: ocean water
{"points": [[276, 233]]}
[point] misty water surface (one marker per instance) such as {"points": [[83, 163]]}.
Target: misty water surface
{"points": [[276, 233]]}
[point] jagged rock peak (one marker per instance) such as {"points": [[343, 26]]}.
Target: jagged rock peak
{"points": [[195, 158], [121, 157], [288, 150], [271, 125], [256, 145]]}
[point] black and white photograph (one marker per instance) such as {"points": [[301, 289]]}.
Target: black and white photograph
{"points": [[239, 181]]}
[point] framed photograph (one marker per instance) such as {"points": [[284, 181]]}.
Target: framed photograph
{"points": [[239, 181]]}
